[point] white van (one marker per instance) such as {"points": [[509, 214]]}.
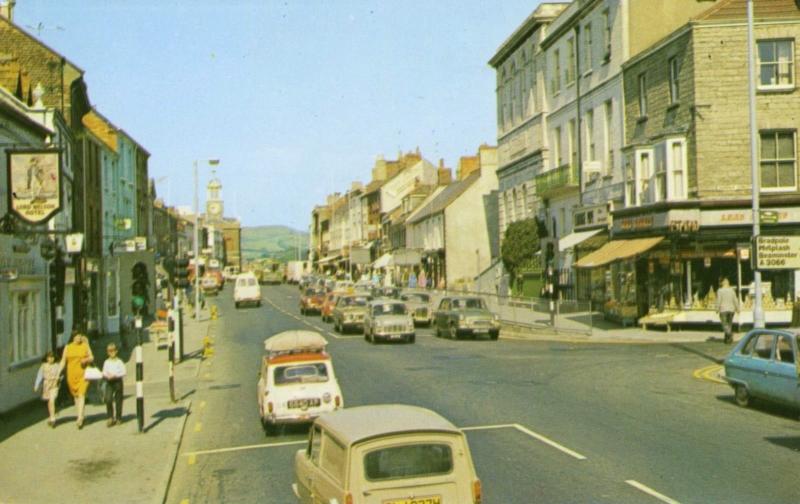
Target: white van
{"points": [[246, 290]]}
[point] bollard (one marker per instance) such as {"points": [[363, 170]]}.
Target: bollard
{"points": [[213, 312], [139, 375]]}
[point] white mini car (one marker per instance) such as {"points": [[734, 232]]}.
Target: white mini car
{"points": [[296, 383], [246, 290]]}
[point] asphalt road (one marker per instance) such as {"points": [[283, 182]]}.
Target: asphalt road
{"points": [[546, 422]]}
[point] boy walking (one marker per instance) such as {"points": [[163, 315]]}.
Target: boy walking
{"points": [[113, 373]]}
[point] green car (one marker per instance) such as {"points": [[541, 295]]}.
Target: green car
{"points": [[465, 316], [349, 312]]}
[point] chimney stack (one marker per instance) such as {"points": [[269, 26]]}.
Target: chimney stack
{"points": [[7, 9]]}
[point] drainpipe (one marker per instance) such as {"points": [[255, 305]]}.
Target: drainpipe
{"points": [[578, 112]]}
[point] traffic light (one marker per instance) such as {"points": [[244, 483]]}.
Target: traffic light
{"points": [[182, 273], [139, 288]]}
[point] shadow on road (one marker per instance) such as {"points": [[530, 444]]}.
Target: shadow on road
{"points": [[791, 442], [706, 356], [776, 410], [162, 415]]}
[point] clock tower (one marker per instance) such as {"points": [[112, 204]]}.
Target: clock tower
{"points": [[214, 203]]}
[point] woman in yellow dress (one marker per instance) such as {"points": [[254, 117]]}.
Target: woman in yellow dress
{"points": [[77, 355]]}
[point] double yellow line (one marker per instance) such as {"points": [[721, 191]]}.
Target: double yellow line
{"points": [[710, 373]]}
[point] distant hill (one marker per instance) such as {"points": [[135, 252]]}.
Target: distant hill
{"points": [[276, 242]]}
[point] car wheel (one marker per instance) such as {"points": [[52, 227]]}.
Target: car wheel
{"points": [[436, 331], [236, 304], [494, 335], [258, 304], [336, 326], [453, 332], [411, 338], [742, 396]]}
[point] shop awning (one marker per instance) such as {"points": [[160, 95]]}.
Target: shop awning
{"points": [[573, 239], [617, 249], [384, 261], [329, 259]]}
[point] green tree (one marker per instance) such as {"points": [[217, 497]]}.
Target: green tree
{"points": [[520, 244]]}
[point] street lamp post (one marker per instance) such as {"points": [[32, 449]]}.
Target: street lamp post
{"points": [[212, 162], [758, 309]]}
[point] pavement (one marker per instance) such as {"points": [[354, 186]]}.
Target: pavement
{"points": [[108, 464]]}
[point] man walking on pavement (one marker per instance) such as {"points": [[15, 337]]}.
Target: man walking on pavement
{"points": [[727, 305]]}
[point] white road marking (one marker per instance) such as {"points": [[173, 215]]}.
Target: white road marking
{"points": [[530, 433], [651, 492], [244, 447]]}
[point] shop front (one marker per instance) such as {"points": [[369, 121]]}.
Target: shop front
{"points": [[672, 275]]}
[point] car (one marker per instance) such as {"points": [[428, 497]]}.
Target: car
{"points": [[419, 305], [387, 292], [763, 365], [385, 454], [465, 315], [210, 285], [246, 290], [328, 303], [296, 382], [349, 312], [311, 300], [388, 320]]}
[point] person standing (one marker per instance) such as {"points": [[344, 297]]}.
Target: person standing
{"points": [[727, 305], [113, 374], [48, 379], [77, 355]]}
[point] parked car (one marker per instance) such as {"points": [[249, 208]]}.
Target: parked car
{"points": [[296, 383], [465, 315], [349, 312], [763, 365], [388, 320], [419, 305], [246, 290], [311, 300], [385, 454]]}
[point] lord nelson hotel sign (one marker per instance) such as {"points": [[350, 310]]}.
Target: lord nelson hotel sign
{"points": [[34, 182]]}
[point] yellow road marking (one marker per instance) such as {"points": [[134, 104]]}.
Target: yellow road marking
{"points": [[185, 501], [192, 459], [198, 427], [709, 373]]}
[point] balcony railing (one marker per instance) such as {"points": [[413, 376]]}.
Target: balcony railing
{"points": [[557, 181]]}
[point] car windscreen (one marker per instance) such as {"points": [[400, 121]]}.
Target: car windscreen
{"points": [[389, 309], [468, 303], [301, 373], [408, 461], [422, 298], [251, 281], [355, 301]]}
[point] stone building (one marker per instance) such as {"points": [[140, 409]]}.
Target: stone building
{"points": [[687, 174]]}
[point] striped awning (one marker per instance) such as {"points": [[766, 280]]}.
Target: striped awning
{"points": [[617, 249]]}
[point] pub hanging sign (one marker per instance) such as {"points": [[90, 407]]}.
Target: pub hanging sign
{"points": [[34, 184]]}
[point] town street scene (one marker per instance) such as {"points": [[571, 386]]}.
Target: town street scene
{"points": [[367, 252]]}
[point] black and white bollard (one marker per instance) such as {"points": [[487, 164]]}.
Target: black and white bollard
{"points": [[139, 376]]}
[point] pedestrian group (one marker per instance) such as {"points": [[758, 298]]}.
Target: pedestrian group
{"points": [[78, 362]]}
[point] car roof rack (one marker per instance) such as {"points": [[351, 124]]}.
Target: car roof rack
{"points": [[296, 341]]}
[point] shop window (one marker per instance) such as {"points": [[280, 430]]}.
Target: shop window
{"points": [[778, 160], [776, 64], [25, 338]]}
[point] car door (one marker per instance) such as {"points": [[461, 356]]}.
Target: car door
{"points": [[261, 386], [757, 366], [782, 373], [307, 468]]}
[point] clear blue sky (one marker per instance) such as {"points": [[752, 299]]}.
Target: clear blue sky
{"points": [[296, 98]]}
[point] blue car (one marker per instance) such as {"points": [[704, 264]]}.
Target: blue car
{"points": [[763, 365]]}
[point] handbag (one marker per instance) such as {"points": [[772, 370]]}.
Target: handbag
{"points": [[91, 373]]}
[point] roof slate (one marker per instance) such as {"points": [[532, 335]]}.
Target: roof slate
{"points": [[444, 198]]}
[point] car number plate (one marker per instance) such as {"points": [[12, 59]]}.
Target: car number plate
{"points": [[481, 331], [433, 499]]}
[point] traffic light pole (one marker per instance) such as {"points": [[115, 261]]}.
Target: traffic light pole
{"points": [[139, 375], [196, 251]]}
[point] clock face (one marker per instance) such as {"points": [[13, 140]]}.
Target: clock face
{"points": [[214, 208]]}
